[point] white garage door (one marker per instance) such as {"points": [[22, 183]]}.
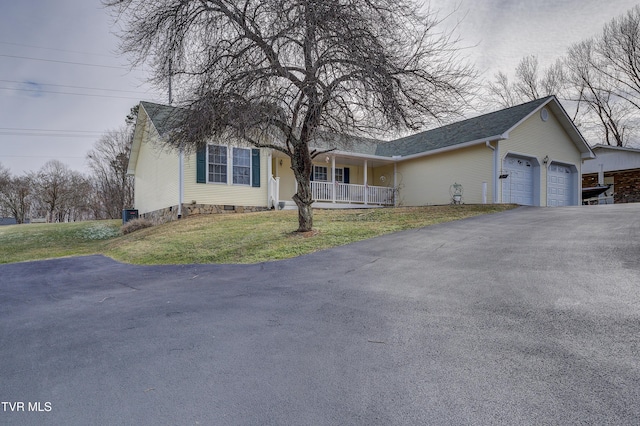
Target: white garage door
{"points": [[559, 185], [517, 186]]}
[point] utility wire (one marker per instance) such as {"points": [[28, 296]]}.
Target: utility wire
{"points": [[72, 87], [56, 49], [48, 130], [64, 62], [49, 135], [69, 93], [36, 156]]}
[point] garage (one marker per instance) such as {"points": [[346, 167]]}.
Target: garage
{"points": [[518, 180], [560, 185]]}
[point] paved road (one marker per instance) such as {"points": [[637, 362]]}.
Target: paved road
{"points": [[526, 317]]}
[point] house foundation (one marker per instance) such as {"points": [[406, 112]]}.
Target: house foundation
{"points": [[171, 213]]}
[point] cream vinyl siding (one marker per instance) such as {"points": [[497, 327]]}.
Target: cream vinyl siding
{"points": [[536, 138], [224, 194], [376, 173], [156, 178], [287, 178], [427, 180]]}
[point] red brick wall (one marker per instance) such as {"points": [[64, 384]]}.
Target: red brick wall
{"points": [[626, 185]]}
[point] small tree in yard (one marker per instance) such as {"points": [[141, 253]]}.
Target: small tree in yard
{"points": [[15, 195], [276, 73], [108, 162]]}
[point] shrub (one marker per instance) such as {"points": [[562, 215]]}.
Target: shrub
{"points": [[135, 225]]}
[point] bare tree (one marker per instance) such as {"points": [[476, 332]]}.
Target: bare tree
{"points": [[52, 186], [5, 178], [108, 162], [14, 195], [17, 198], [502, 91], [74, 205], [530, 83], [527, 85], [619, 50], [273, 73], [597, 91]]}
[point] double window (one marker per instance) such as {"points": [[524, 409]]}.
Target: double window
{"points": [[220, 163], [321, 174]]}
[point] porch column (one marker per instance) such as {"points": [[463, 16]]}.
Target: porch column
{"points": [[395, 184], [366, 183], [333, 178], [270, 178]]}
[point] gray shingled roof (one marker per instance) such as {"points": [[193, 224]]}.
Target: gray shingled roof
{"points": [[477, 128], [474, 129], [164, 117]]}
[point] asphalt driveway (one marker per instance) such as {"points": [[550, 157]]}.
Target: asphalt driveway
{"points": [[531, 316]]}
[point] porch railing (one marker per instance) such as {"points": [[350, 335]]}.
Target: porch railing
{"points": [[351, 193]]}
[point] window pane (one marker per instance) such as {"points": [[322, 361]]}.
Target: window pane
{"points": [[241, 166], [217, 164], [320, 173], [339, 175]]}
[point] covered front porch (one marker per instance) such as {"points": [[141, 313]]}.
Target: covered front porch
{"points": [[337, 181]]}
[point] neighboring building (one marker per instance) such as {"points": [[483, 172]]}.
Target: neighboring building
{"points": [[10, 221], [618, 168], [530, 154], [7, 221]]}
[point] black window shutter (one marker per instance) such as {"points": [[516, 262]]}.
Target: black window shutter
{"points": [[201, 166], [345, 175], [255, 168]]}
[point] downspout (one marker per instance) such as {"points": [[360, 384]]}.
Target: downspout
{"points": [[180, 182], [270, 204], [494, 177]]}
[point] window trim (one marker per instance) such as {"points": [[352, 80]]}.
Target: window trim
{"points": [[248, 167], [229, 177], [326, 173], [327, 168], [209, 164]]}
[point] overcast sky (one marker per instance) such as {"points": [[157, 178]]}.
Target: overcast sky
{"points": [[63, 84]]}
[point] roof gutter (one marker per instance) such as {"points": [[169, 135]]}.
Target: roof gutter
{"points": [[453, 147]]}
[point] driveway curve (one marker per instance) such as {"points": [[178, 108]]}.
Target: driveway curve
{"points": [[530, 316]]}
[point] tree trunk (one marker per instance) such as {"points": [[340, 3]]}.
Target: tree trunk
{"points": [[301, 165], [303, 200]]}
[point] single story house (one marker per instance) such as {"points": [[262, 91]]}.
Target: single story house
{"points": [[529, 154], [619, 169]]}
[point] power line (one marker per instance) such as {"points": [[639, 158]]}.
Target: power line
{"points": [[69, 93], [48, 130], [55, 49], [37, 156], [72, 87], [63, 62], [50, 135]]}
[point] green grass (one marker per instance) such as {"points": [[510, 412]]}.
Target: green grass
{"points": [[48, 240], [232, 238]]}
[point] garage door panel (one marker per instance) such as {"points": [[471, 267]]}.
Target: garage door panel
{"points": [[560, 185], [518, 185]]}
